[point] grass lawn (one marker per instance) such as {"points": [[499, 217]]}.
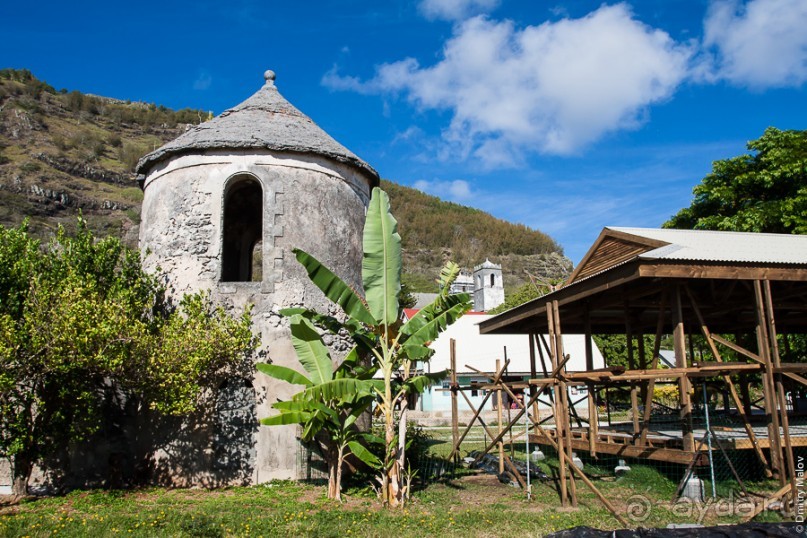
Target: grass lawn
{"points": [[470, 505]]}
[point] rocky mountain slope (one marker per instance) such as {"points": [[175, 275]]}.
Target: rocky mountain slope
{"points": [[62, 152]]}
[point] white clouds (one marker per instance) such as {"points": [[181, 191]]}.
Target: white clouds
{"points": [[453, 10], [458, 190], [551, 88], [761, 44], [557, 87]]}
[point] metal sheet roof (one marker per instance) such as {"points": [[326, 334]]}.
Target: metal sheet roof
{"points": [[718, 246]]}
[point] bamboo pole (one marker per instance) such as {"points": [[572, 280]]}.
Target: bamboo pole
{"points": [[455, 423], [476, 415], [499, 416], [533, 374], [504, 459]]}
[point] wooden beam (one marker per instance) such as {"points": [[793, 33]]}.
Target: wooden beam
{"points": [[504, 458], [564, 397], [651, 385], [721, 272], [768, 386], [737, 348], [456, 446], [683, 381], [780, 391], [562, 456], [732, 390], [593, 415]]}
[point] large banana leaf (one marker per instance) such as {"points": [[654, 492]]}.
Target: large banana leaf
{"points": [[419, 383], [353, 366], [448, 274], [287, 417], [284, 374], [428, 313], [363, 454], [358, 333], [381, 265], [311, 351], [414, 346], [334, 288], [347, 390]]}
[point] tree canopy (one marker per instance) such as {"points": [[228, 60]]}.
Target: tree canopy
{"points": [[81, 322], [762, 191]]}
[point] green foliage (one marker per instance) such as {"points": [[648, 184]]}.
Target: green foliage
{"points": [[764, 191], [426, 222], [81, 319], [392, 347], [332, 400], [523, 294]]}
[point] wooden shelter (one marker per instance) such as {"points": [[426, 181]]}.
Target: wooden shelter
{"points": [[744, 293]]}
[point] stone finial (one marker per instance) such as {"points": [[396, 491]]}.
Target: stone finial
{"points": [[269, 76]]}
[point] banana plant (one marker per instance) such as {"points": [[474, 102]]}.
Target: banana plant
{"points": [[329, 404], [391, 348]]}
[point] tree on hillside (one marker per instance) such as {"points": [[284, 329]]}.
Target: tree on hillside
{"points": [[80, 321], [762, 191]]}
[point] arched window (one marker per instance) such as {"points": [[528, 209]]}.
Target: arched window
{"points": [[243, 224], [492, 280]]}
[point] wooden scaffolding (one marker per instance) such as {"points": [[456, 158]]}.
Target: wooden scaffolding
{"points": [[748, 308]]}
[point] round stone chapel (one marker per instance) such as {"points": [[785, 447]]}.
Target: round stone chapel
{"points": [[224, 205]]}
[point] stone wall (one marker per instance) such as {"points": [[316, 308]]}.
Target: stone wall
{"points": [[309, 203]]}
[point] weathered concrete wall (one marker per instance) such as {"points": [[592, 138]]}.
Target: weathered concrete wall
{"points": [[5, 477], [309, 203]]}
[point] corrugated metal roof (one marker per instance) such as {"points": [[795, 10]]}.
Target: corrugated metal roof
{"points": [[717, 246]]}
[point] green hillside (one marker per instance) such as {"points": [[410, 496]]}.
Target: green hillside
{"points": [[62, 152]]}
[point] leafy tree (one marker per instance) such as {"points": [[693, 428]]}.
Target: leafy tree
{"points": [[763, 191], [330, 404], [524, 293], [79, 321], [375, 326]]}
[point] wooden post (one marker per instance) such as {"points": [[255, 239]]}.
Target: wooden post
{"points": [[564, 393], [733, 391], [768, 386], [553, 357], [593, 417], [499, 416], [455, 423], [788, 448], [634, 390], [533, 375], [679, 344], [651, 385]]}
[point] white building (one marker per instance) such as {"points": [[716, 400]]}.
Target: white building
{"points": [[482, 351], [488, 286]]}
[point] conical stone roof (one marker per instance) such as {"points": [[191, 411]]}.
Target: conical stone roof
{"points": [[264, 121]]}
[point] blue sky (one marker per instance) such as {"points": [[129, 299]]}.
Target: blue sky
{"points": [[564, 116]]}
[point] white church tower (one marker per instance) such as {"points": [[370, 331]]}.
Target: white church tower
{"points": [[488, 286]]}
